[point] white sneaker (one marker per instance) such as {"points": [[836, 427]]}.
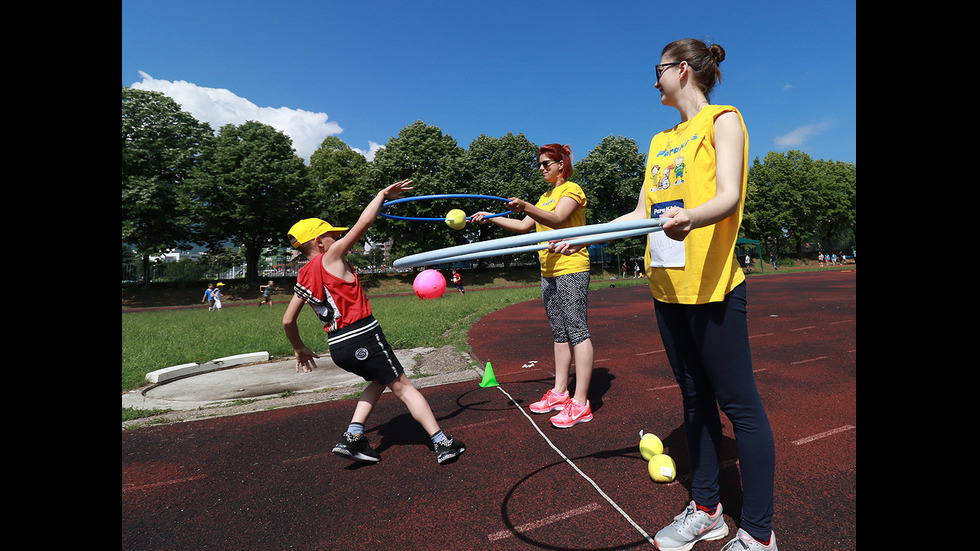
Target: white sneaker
{"points": [[744, 542], [690, 527]]}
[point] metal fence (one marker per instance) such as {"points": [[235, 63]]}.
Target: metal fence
{"points": [[161, 272]]}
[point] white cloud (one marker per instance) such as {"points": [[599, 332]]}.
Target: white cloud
{"points": [[369, 154], [219, 107], [799, 136]]}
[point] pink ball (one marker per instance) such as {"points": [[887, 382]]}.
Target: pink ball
{"points": [[429, 284]]}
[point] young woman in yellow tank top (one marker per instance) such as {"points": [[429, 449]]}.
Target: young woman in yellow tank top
{"points": [[696, 176]]}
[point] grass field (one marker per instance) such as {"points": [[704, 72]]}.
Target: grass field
{"points": [[157, 339]]}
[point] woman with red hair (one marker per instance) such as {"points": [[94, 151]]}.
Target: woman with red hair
{"points": [[564, 283]]}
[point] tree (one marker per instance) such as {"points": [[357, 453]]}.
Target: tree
{"points": [[612, 176], [249, 190], [160, 146], [220, 259], [794, 203], [767, 213], [502, 167], [337, 174], [427, 156], [837, 220]]}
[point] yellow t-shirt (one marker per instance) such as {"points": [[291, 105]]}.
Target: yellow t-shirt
{"points": [[554, 264], [680, 171]]}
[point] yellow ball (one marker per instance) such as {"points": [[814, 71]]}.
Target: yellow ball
{"points": [[456, 219], [662, 468], [650, 446]]}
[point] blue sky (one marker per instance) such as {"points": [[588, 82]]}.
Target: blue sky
{"points": [[570, 72]]}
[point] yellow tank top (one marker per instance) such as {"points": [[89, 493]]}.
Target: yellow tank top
{"points": [[680, 171], [554, 264]]}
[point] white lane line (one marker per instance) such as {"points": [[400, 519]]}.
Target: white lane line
{"points": [[825, 434], [164, 483], [306, 458], [674, 385], [808, 360], [481, 423], [528, 526], [579, 471]]}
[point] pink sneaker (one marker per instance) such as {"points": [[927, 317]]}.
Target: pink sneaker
{"points": [[572, 414], [551, 401]]}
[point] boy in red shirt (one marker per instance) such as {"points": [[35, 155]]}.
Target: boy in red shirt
{"points": [[329, 285]]}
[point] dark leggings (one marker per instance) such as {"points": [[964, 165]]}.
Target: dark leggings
{"points": [[708, 348]]}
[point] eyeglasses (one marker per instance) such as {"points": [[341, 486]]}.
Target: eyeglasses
{"points": [[546, 164], [660, 68]]}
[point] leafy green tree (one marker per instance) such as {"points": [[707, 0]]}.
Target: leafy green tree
{"points": [[430, 159], [612, 177], [837, 218], [501, 167], [181, 185], [219, 260], [249, 190], [184, 270], [337, 174], [782, 201], [160, 146]]}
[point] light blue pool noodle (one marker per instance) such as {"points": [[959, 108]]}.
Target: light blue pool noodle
{"points": [[592, 233]]}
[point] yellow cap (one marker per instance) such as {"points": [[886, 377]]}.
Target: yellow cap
{"points": [[307, 229]]}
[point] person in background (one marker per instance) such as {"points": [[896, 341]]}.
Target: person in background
{"points": [[458, 282], [208, 296], [216, 295], [266, 291]]}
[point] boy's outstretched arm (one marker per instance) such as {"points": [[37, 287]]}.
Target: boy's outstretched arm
{"points": [[370, 213], [304, 356]]}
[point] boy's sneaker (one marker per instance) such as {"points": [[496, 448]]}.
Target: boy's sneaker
{"points": [[744, 542], [572, 414], [551, 401], [356, 447], [449, 449], [690, 527]]}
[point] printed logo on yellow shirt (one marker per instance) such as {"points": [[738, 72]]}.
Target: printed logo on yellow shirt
{"points": [[671, 174]]}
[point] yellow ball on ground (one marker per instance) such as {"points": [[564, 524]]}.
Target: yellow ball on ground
{"points": [[650, 446], [662, 468], [456, 219]]}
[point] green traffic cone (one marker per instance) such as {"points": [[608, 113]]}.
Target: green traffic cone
{"points": [[488, 378]]}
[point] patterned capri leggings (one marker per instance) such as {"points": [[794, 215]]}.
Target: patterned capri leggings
{"points": [[566, 301]]}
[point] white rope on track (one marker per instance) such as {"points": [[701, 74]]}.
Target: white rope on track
{"points": [[579, 471]]}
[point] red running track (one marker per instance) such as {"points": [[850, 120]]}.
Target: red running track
{"points": [[269, 481]]}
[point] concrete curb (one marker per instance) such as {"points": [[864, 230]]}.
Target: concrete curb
{"points": [[185, 370], [196, 386]]}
